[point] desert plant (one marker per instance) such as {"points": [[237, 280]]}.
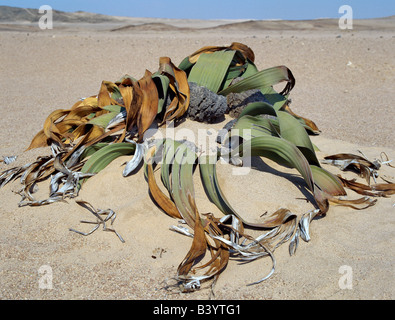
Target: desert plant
{"points": [[96, 130]]}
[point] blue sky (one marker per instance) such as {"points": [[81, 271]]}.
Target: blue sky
{"points": [[219, 9]]}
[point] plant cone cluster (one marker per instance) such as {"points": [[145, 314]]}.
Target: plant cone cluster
{"points": [[96, 130]]}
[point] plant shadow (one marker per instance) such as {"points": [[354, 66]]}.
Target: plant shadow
{"points": [[257, 163]]}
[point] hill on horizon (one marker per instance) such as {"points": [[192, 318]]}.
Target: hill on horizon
{"points": [[16, 15]]}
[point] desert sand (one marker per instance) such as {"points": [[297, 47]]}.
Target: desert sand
{"points": [[344, 83]]}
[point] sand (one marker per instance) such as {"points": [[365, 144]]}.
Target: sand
{"points": [[344, 82]]}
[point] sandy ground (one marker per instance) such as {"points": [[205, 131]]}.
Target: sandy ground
{"points": [[344, 82]]}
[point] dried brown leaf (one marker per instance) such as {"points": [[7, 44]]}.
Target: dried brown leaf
{"points": [[313, 127], [199, 244], [358, 204], [160, 198], [245, 50], [376, 190], [40, 140], [149, 104], [179, 86]]}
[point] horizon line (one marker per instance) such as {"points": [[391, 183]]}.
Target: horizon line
{"points": [[205, 19]]}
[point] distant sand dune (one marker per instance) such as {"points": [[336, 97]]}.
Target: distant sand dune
{"points": [[14, 14], [383, 24], [154, 26], [18, 19], [376, 24]]}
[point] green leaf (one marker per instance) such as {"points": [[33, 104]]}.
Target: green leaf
{"points": [[186, 65], [211, 68], [261, 119], [292, 130], [92, 149], [233, 72], [256, 108], [162, 84], [104, 156], [208, 174], [114, 108], [255, 126], [273, 97], [262, 79], [327, 181], [182, 189], [169, 148], [250, 70], [103, 120]]}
